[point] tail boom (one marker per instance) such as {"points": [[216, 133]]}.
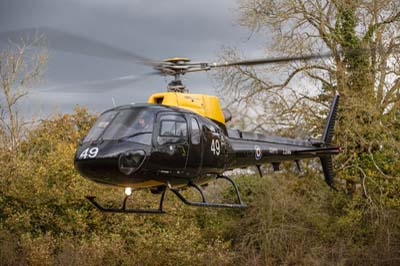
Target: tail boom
{"points": [[255, 149]]}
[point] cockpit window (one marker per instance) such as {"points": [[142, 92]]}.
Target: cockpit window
{"points": [[102, 122], [127, 124]]}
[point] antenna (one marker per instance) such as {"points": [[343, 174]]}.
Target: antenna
{"points": [[113, 101]]}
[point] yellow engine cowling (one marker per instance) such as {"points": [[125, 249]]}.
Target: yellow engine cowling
{"points": [[205, 105]]}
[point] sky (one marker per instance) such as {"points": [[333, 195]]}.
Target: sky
{"points": [[155, 29]]}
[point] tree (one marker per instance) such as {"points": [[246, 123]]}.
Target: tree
{"points": [[364, 39], [20, 67]]}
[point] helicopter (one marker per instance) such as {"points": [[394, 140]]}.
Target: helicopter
{"points": [[179, 140]]}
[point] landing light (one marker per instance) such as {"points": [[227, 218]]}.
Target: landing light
{"points": [[128, 191]]}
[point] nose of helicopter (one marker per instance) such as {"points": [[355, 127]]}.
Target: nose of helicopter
{"points": [[106, 166]]}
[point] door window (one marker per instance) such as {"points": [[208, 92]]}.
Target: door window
{"points": [[173, 129]]}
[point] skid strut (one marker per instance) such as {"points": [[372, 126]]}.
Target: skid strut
{"points": [[204, 202], [123, 208]]}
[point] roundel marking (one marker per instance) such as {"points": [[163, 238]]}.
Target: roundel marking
{"points": [[258, 152]]}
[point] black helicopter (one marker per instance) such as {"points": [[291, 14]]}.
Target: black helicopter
{"points": [[177, 139]]}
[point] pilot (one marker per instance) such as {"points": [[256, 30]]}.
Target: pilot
{"points": [[143, 123]]}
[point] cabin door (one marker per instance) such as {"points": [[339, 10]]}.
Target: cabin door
{"points": [[195, 158], [171, 143]]}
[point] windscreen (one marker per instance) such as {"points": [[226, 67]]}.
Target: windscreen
{"points": [[134, 125], [98, 128]]}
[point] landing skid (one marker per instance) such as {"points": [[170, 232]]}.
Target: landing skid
{"points": [[123, 208], [203, 203]]}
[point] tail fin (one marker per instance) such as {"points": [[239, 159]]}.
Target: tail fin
{"points": [[326, 161], [330, 121], [327, 167]]}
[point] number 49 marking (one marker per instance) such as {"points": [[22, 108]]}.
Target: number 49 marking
{"points": [[89, 152], [216, 147]]}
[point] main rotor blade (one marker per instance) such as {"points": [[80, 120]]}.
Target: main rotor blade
{"points": [[272, 60], [73, 43], [98, 86]]}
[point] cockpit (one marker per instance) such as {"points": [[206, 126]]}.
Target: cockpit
{"points": [[133, 124]]}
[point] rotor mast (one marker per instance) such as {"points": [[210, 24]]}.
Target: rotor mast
{"points": [[177, 67], [176, 85]]}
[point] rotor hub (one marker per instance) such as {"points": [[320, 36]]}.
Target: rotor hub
{"points": [[176, 67]]}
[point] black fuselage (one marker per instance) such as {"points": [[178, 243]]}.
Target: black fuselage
{"points": [[176, 147]]}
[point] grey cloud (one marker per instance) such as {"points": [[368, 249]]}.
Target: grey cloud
{"points": [[155, 29]]}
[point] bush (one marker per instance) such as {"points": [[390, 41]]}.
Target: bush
{"points": [[302, 222]]}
